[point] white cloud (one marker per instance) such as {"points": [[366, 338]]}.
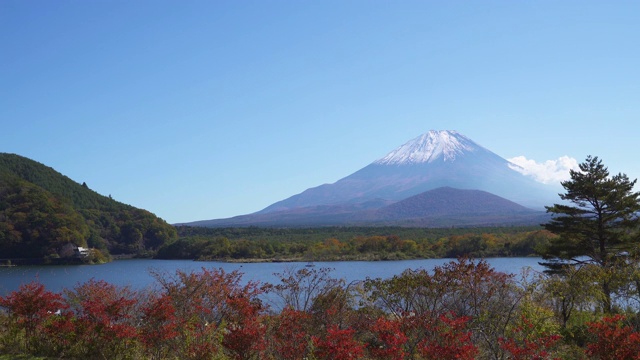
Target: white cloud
{"points": [[550, 171]]}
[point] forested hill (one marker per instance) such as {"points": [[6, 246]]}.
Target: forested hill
{"points": [[43, 213]]}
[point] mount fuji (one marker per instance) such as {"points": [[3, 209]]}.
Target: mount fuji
{"points": [[432, 164]]}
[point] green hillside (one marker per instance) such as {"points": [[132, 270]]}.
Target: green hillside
{"points": [[43, 213]]}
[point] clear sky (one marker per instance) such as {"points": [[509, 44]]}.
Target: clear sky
{"points": [[209, 109]]}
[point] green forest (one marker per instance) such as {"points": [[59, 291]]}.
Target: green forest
{"points": [[352, 243], [44, 215]]}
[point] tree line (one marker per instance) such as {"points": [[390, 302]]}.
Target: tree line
{"points": [[337, 245]]}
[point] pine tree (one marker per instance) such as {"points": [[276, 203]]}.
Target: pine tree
{"points": [[600, 228]]}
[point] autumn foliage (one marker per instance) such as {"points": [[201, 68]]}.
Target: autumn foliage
{"points": [[30, 309], [524, 343], [338, 344], [389, 339], [448, 339], [461, 310], [614, 339], [290, 334]]}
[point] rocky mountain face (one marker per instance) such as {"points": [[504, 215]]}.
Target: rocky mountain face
{"points": [[431, 161]]}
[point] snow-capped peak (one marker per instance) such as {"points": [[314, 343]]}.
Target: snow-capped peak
{"points": [[428, 147]]}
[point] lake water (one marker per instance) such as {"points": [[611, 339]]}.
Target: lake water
{"points": [[136, 272]]}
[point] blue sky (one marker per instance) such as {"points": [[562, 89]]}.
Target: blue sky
{"points": [[208, 109]]}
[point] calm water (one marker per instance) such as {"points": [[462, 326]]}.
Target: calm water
{"points": [[136, 273]]}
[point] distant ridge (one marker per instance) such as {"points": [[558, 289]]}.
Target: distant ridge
{"points": [[447, 206], [444, 206], [449, 201]]}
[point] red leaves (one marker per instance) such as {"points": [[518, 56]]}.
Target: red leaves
{"points": [[527, 344], [290, 337], [448, 339], [390, 339], [160, 325], [211, 314], [31, 305], [337, 344], [434, 337], [216, 311], [244, 335], [105, 310], [613, 340]]}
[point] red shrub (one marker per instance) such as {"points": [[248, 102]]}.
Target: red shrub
{"points": [[31, 306], [526, 344], [160, 325], [390, 339], [245, 332], [290, 337], [338, 344], [613, 339], [449, 339]]}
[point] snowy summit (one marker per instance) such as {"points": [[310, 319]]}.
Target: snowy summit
{"points": [[429, 147]]}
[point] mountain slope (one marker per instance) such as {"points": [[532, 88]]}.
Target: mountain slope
{"points": [[42, 210], [439, 207], [432, 160], [450, 201], [456, 207]]}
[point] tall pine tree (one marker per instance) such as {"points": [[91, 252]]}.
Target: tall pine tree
{"points": [[598, 224]]}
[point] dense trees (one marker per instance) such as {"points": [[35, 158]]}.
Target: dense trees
{"points": [[33, 223], [42, 211], [352, 243]]}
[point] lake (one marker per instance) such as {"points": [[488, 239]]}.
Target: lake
{"points": [[136, 272]]}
